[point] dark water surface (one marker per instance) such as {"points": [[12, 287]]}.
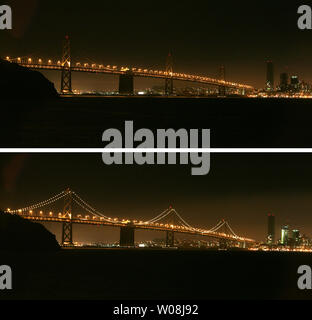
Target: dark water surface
{"points": [[234, 122], [146, 274]]}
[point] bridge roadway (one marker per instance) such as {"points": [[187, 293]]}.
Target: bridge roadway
{"points": [[168, 221], [96, 221], [135, 72]]}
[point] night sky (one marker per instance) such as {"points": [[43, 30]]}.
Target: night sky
{"points": [[202, 35]]}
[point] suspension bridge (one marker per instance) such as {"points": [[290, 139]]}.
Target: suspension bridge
{"points": [[126, 74], [168, 221]]}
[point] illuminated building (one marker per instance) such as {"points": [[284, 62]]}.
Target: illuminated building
{"points": [[270, 76], [271, 229], [294, 83], [296, 237], [284, 235], [284, 82]]}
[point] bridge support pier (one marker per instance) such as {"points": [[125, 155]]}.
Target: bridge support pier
{"points": [[126, 237], [169, 239], [126, 84], [222, 91], [223, 244], [243, 92], [67, 234], [169, 87], [242, 245]]}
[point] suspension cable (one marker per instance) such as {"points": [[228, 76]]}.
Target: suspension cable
{"points": [[90, 207], [88, 210], [158, 217], [231, 230], [217, 227], [185, 223], [163, 216], [41, 204]]}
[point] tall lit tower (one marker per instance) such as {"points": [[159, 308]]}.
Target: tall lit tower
{"points": [[284, 235], [66, 82], [222, 89], [169, 71], [270, 76], [222, 73], [294, 83], [284, 82], [271, 229], [67, 231], [296, 237]]}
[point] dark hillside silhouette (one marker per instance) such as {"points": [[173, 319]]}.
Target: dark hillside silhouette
{"points": [[17, 82], [18, 234]]}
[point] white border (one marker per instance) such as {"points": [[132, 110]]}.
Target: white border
{"points": [[156, 150]]}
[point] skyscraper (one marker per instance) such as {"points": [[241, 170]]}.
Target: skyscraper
{"points": [[294, 83], [284, 82], [296, 237], [271, 229], [284, 235], [270, 76]]}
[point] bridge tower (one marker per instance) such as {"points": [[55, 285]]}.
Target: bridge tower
{"points": [[222, 72], [173, 220], [67, 231], [169, 71], [66, 81], [222, 89], [226, 229]]}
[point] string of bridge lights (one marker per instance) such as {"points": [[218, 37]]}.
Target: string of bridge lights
{"points": [[90, 207], [40, 204], [186, 224], [218, 226], [231, 230], [84, 205], [39, 63], [166, 213], [92, 212], [157, 218]]}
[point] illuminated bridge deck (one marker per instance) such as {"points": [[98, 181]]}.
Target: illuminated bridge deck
{"points": [[39, 64], [168, 221]]}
